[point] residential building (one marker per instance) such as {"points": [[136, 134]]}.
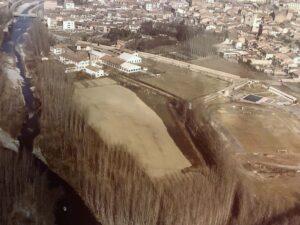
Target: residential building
{"points": [[96, 56], [149, 6], [94, 71], [80, 60], [69, 4], [297, 60], [50, 5], [51, 23], [295, 6], [57, 49], [68, 25]]}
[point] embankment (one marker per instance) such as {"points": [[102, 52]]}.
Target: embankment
{"points": [[11, 105]]}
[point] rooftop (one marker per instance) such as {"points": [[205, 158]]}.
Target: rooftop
{"points": [[76, 57], [113, 60], [93, 68]]}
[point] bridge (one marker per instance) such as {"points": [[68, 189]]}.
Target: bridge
{"points": [[30, 15], [14, 5]]}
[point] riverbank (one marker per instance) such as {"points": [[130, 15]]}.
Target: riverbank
{"points": [[25, 182], [11, 99], [12, 109]]}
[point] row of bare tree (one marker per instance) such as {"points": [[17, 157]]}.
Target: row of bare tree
{"points": [[117, 190], [24, 190], [201, 45]]}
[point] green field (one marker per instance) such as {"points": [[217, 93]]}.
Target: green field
{"points": [[181, 81]]}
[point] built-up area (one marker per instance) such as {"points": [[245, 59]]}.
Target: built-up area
{"points": [[264, 34]]}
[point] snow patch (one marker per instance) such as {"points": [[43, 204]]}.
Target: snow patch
{"points": [[8, 142], [38, 153], [20, 50], [13, 73]]}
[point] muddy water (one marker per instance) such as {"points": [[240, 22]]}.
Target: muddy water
{"points": [[68, 208]]}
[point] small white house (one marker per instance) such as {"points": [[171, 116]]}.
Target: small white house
{"points": [[130, 58], [239, 45], [94, 71], [269, 56], [95, 56], [69, 4], [261, 62], [149, 6], [57, 49], [68, 25], [51, 23], [210, 27], [130, 68], [297, 60]]}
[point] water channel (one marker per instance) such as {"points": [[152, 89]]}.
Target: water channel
{"points": [[69, 208]]}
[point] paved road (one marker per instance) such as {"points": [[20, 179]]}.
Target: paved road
{"points": [[193, 67]]}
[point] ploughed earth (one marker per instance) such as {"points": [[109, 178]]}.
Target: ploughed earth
{"points": [[121, 118]]}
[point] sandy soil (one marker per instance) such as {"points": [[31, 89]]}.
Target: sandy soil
{"points": [[260, 129], [181, 81], [159, 104], [121, 118]]}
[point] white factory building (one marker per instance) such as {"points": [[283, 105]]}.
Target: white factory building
{"points": [[130, 58], [130, 68], [120, 64]]}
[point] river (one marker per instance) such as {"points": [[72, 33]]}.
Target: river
{"points": [[69, 208]]}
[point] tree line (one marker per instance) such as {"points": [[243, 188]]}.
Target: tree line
{"points": [[119, 192]]}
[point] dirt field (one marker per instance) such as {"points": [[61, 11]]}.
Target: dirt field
{"points": [[260, 129], [159, 104], [218, 63], [180, 81], [121, 118]]}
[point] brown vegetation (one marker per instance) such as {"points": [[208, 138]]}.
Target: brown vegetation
{"points": [[117, 190], [177, 41], [24, 191], [11, 106], [201, 45], [5, 16], [39, 41]]}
